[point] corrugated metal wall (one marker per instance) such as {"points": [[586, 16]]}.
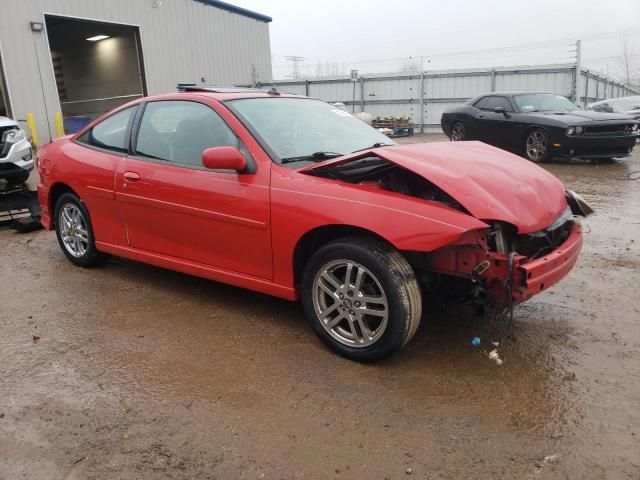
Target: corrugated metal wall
{"points": [[182, 40], [399, 94]]}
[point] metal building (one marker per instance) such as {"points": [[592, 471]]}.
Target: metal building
{"points": [[75, 59], [422, 97]]}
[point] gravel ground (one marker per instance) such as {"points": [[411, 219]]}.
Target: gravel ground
{"points": [[129, 371]]}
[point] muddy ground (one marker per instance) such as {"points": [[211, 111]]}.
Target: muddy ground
{"points": [[129, 371]]}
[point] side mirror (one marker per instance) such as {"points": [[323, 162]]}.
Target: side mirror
{"points": [[224, 158], [500, 110]]}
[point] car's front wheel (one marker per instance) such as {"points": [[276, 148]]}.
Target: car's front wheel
{"points": [[74, 231], [361, 298], [458, 132], [536, 146]]}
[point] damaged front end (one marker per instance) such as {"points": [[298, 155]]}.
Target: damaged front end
{"points": [[533, 236], [504, 268]]}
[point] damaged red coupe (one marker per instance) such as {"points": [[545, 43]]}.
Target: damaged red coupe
{"points": [[291, 197]]}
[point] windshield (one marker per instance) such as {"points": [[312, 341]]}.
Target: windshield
{"points": [[544, 102], [301, 130]]}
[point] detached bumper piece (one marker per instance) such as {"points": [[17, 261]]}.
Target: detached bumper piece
{"points": [[19, 208], [537, 275]]}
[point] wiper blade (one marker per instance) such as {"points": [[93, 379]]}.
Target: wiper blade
{"points": [[316, 156], [375, 145]]}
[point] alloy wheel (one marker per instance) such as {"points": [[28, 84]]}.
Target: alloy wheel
{"points": [[536, 146], [457, 133], [350, 303], [73, 230]]}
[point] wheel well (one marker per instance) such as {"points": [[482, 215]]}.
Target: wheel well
{"points": [[316, 238], [57, 190], [533, 127]]}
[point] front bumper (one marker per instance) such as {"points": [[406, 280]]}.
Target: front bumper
{"points": [[535, 276], [593, 147], [18, 159]]}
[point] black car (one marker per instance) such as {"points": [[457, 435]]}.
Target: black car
{"points": [[540, 126]]}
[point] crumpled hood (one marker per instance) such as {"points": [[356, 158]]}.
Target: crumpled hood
{"points": [[490, 183]]}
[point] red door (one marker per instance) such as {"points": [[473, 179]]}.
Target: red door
{"points": [[174, 206]]}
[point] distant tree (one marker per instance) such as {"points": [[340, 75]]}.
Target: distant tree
{"points": [[328, 69], [409, 65], [629, 64]]}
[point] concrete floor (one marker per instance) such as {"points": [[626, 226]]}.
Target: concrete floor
{"points": [[129, 371]]}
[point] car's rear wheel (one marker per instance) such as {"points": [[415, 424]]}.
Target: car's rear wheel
{"points": [[458, 132], [536, 145], [361, 298], [74, 231]]}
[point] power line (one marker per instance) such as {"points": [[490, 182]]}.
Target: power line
{"points": [[487, 51]]}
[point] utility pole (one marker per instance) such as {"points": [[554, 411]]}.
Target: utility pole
{"points": [[294, 62], [578, 78]]}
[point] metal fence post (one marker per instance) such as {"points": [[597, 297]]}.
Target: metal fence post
{"points": [[362, 93], [586, 88], [493, 80], [422, 100]]}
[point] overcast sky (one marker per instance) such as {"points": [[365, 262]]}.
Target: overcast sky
{"points": [[381, 35]]}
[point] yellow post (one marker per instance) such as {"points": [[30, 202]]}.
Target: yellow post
{"points": [[57, 119], [32, 126]]}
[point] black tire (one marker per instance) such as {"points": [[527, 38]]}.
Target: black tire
{"points": [[17, 178], [537, 147], [395, 279], [458, 132], [91, 256]]}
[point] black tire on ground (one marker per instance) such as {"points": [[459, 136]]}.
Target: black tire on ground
{"points": [[536, 145], [16, 178], [458, 132], [389, 275], [91, 256]]}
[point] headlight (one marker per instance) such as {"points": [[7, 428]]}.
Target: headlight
{"points": [[575, 130], [571, 130], [579, 130], [13, 136]]}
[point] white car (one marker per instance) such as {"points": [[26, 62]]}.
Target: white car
{"points": [[16, 156], [626, 105]]}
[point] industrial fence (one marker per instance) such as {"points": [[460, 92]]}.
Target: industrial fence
{"points": [[424, 96]]}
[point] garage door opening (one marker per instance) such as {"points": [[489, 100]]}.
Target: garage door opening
{"points": [[5, 105], [97, 67]]}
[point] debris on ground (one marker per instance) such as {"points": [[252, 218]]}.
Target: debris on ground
{"points": [[475, 341], [495, 356], [35, 338]]}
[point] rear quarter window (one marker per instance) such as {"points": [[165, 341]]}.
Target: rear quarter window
{"points": [[111, 133]]}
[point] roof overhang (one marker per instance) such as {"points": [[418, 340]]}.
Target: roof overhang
{"points": [[234, 9]]}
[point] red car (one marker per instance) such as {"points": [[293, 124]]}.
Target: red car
{"points": [[291, 197]]}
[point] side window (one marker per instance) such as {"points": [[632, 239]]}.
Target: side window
{"points": [[494, 102], [111, 133], [179, 131], [481, 103]]}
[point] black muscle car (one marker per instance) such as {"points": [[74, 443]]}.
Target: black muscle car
{"points": [[539, 126]]}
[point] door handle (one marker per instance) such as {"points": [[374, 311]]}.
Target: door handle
{"points": [[131, 176]]}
